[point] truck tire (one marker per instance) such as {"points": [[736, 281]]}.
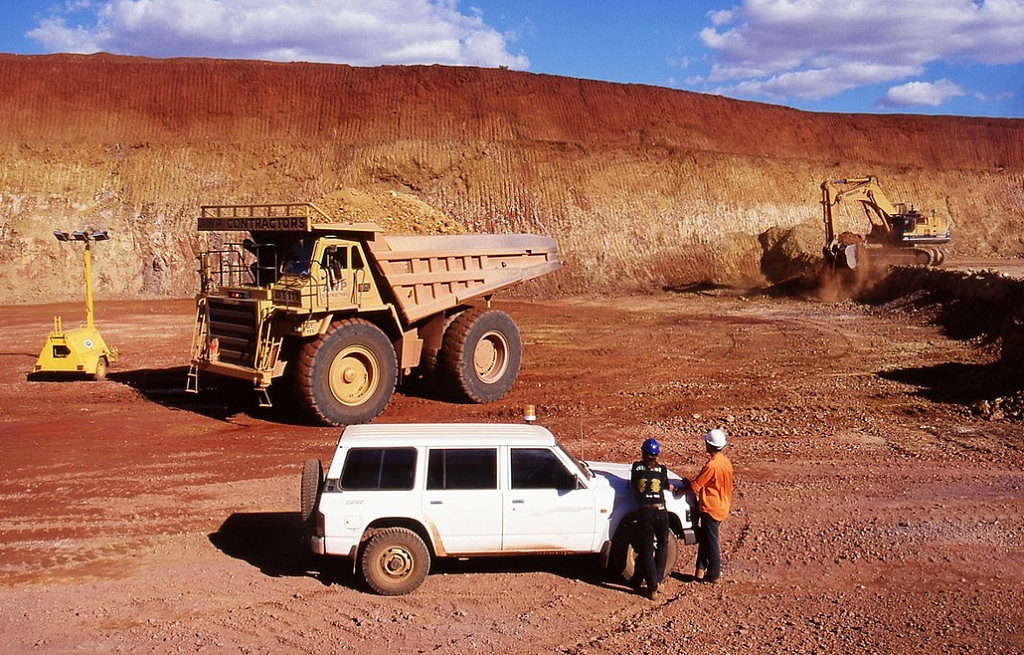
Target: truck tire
{"points": [[481, 354], [622, 561], [394, 561], [431, 356], [309, 493], [348, 375]]}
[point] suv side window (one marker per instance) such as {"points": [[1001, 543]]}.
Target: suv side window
{"points": [[462, 468], [539, 468], [379, 468]]}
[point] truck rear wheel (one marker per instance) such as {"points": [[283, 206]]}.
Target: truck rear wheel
{"points": [[349, 374], [481, 354], [394, 561]]}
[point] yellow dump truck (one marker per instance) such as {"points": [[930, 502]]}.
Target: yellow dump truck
{"points": [[341, 313]]}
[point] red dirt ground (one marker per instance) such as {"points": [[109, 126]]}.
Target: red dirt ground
{"points": [[873, 513]]}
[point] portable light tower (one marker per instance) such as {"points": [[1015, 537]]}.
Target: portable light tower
{"points": [[82, 349]]}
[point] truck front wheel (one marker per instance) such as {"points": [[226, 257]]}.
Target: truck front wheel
{"points": [[481, 354], [101, 369], [349, 374]]}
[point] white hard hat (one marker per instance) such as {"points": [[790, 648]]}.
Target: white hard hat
{"points": [[715, 438]]}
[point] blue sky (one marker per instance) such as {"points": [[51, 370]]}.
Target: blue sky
{"points": [[959, 57]]}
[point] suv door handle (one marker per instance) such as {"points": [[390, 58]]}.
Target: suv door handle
{"points": [[518, 501]]}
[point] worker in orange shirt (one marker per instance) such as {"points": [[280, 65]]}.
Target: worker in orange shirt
{"points": [[713, 487]]}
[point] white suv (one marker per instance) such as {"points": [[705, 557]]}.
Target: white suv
{"points": [[397, 495]]}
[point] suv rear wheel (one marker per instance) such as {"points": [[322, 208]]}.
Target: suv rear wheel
{"points": [[394, 561]]}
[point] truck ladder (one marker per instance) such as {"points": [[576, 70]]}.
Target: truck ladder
{"points": [[263, 398], [267, 351], [192, 381], [198, 343]]}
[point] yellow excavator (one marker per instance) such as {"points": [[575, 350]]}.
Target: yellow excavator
{"points": [[899, 233]]}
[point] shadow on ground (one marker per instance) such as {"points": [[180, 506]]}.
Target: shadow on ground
{"points": [[218, 398], [222, 398], [274, 543], [957, 383]]}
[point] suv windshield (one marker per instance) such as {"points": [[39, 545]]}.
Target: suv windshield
{"points": [[581, 466]]}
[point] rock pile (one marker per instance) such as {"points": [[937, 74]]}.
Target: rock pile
{"points": [[397, 213]]}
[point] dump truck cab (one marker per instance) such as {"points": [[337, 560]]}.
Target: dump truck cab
{"points": [[313, 272]]}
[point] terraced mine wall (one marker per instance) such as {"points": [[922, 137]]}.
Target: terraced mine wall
{"points": [[644, 187]]}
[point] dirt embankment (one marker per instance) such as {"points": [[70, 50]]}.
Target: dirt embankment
{"points": [[643, 187]]}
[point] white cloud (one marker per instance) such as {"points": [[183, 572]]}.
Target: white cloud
{"points": [[921, 94], [815, 84], [337, 31], [819, 48]]}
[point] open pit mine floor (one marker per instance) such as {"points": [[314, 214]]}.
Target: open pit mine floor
{"points": [[875, 512]]}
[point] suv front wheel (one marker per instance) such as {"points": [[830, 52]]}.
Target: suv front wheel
{"points": [[394, 561], [623, 554]]}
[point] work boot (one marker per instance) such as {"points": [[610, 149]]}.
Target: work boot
{"points": [[653, 593], [698, 574]]}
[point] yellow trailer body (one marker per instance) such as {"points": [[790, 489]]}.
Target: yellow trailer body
{"points": [[78, 350]]}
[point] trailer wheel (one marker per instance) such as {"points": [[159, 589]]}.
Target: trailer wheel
{"points": [[481, 354], [309, 493], [101, 369], [394, 561], [349, 374]]}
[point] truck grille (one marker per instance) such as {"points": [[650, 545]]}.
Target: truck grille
{"points": [[233, 324]]}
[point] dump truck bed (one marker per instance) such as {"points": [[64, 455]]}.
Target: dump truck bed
{"points": [[428, 274]]}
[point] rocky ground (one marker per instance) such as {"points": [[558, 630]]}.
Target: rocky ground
{"points": [[875, 511]]}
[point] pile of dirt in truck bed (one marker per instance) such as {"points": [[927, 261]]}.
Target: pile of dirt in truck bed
{"points": [[397, 213], [643, 187]]}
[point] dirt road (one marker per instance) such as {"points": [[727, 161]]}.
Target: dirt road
{"points": [[870, 516]]}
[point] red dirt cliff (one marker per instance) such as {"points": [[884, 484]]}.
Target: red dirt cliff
{"points": [[642, 186]]}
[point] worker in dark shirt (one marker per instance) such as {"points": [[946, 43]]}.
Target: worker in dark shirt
{"points": [[649, 481]]}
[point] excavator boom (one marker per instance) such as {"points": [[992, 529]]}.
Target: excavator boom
{"points": [[901, 233]]}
